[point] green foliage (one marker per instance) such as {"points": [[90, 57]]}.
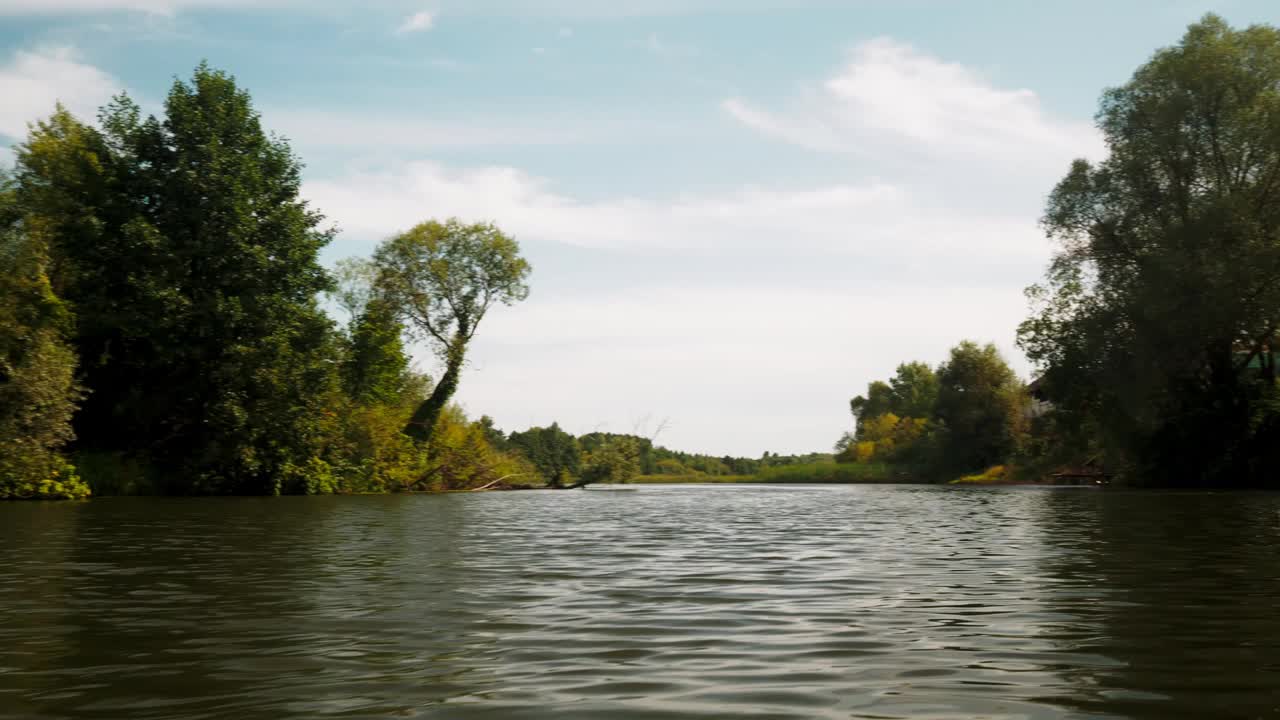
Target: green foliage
{"points": [[459, 457], [493, 434], [833, 473], [613, 460], [911, 392], [38, 392], [375, 367], [370, 451], [443, 278], [554, 452], [980, 402], [969, 416], [1157, 322], [693, 479], [190, 260]]}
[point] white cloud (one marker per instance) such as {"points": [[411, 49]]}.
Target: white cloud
{"points": [[891, 98], [855, 219], [737, 371], [34, 81], [792, 316], [417, 22], [566, 32], [749, 315]]}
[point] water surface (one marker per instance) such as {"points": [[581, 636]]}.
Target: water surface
{"points": [[668, 602]]}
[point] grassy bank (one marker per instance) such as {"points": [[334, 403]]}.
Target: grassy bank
{"points": [[812, 473], [831, 473], [692, 478]]}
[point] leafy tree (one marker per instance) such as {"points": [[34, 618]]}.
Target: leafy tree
{"points": [[911, 392], [671, 466], [554, 452], [1157, 323], [444, 278], [493, 434], [192, 265], [615, 460], [979, 403], [915, 390], [647, 454], [878, 401], [38, 392], [375, 367]]}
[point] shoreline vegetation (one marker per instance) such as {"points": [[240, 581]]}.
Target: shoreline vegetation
{"points": [[166, 326]]}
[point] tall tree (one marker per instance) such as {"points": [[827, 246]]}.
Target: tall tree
{"points": [[444, 278], [375, 368], [191, 262], [979, 404], [1158, 320], [38, 392], [911, 392]]}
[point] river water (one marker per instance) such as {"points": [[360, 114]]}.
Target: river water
{"points": [[666, 602]]}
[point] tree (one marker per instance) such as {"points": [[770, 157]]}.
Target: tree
{"points": [[493, 433], [1157, 322], [375, 367], [915, 390], [553, 451], [979, 404], [615, 460], [191, 263], [38, 392], [443, 278], [878, 401], [911, 392]]}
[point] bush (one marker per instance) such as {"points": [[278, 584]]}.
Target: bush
{"points": [[831, 473]]}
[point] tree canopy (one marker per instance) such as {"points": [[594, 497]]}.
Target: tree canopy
{"points": [[443, 278], [1157, 322]]}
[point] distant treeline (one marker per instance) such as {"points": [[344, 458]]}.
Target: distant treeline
{"points": [[563, 459]]}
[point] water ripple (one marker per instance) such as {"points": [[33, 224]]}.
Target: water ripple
{"points": [[670, 602]]}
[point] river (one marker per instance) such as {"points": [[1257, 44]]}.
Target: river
{"points": [[666, 602]]}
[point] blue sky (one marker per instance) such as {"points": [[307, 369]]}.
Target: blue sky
{"points": [[739, 211]]}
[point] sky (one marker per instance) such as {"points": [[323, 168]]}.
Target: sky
{"points": [[739, 212]]}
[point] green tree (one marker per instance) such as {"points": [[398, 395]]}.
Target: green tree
{"points": [[376, 367], [915, 390], [615, 460], [980, 406], [878, 401], [553, 451], [1157, 322], [443, 278], [493, 433], [911, 392], [38, 392], [191, 263]]}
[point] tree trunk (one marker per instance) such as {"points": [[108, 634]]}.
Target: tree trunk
{"points": [[424, 418]]}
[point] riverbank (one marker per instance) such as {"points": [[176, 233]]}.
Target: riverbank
{"points": [[821, 473]]}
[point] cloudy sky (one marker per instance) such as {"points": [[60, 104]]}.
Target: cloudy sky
{"points": [[739, 212]]}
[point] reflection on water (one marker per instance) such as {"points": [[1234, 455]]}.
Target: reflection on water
{"points": [[670, 602]]}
